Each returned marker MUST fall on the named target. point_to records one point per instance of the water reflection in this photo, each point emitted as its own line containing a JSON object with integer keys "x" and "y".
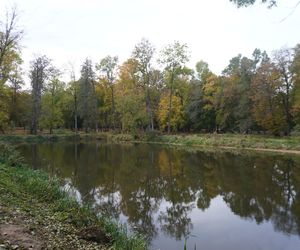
{"x": 157, "y": 189}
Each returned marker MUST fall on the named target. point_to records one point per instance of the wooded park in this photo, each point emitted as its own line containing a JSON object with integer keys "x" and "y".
{"x": 260, "y": 94}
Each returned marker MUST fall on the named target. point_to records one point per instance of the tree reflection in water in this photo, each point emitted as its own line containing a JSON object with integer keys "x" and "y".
{"x": 157, "y": 188}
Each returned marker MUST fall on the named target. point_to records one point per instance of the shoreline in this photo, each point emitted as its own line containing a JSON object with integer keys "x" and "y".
{"x": 289, "y": 145}
{"x": 281, "y": 151}
{"x": 261, "y": 143}
{"x": 36, "y": 213}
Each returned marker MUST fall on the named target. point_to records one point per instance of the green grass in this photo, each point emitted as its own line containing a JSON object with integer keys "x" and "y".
{"x": 204, "y": 140}
{"x": 31, "y": 190}
{"x": 214, "y": 140}
{"x": 10, "y": 138}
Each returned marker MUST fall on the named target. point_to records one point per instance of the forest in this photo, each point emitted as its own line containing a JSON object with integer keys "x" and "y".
{"x": 154, "y": 89}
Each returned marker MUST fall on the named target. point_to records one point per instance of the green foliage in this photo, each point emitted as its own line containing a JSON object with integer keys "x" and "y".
{"x": 52, "y": 105}
{"x": 39, "y": 73}
{"x": 4, "y": 108}
{"x": 87, "y": 101}
{"x": 108, "y": 75}
{"x": 10, "y": 37}
{"x": 173, "y": 58}
{"x": 202, "y": 99}
{"x": 267, "y": 109}
{"x": 137, "y": 97}
{"x": 143, "y": 54}
{"x": 10, "y": 61}
{"x": 236, "y": 101}
{"x": 130, "y": 98}
{"x": 296, "y": 90}
{"x": 257, "y": 142}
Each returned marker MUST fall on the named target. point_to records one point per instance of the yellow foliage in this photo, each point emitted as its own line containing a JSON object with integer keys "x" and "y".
{"x": 267, "y": 109}
{"x": 177, "y": 113}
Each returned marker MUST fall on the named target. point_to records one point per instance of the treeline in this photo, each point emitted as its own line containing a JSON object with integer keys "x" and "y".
{"x": 257, "y": 94}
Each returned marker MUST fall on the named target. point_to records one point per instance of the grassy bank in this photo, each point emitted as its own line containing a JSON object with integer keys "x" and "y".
{"x": 257, "y": 142}
{"x": 38, "y": 138}
{"x": 35, "y": 211}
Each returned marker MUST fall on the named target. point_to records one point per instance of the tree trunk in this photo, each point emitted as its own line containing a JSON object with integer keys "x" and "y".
{"x": 150, "y": 125}
{"x": 33, "y": 129}
{"x": 170, "y": 109}
{"x": 75, "y": 111}
{"x": 170, "y": 102}
{"x": 113, "y": 106}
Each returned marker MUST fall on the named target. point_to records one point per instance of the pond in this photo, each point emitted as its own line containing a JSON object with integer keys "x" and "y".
{"x": 214, "y": 200}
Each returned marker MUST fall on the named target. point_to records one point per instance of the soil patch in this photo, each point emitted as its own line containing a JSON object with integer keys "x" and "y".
{"x": 18, "y": 237}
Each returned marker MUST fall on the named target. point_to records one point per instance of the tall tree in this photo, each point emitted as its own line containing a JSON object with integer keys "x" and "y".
{"x": 51, "y": 112}
{"x": 267, "y": 110}
{"x": 10, "y": 37}
{"x": 173, "y": 58}
{"x": 39, "y": 73}
{"x": 108, "y": 68}
{"x": 237, "y": 103}
{"x": 200, "y": 109}
{"x": 296, "y": 90}
{"x": 87, "y": 96}
{"x": 143, "y": 54}
{"x": 129, "y": 98}
{"x": 283, "y": 59}
{"x": 73, "y": 88}
{"x": 16, "y": 82}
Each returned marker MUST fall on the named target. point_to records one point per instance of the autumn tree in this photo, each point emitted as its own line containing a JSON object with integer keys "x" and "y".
{"x": 173, "y": 58}
{"x": 39, "y": 73}
{"x": 143, "y": 54}
{"x": 267, "y": 109}
{"x": 130, "y": 98}
{"x": 10, "y": 38}
{"x": 296, "y": 90}
{"x": 283, "y": 59}
{"x": 177, "y": 119}
{"x": 108, "y": 68}
{"x": 236, "y": 104}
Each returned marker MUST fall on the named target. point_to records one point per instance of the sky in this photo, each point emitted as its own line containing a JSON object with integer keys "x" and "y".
{"x": 68, "y": 31}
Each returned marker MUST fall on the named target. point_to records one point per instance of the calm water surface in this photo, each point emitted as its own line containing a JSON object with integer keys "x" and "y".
{"x": 215, "y": 200}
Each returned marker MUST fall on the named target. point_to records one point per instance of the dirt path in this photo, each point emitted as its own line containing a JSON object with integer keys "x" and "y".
{"x": 24, "y": 230}
{"x": 15, "y": 234}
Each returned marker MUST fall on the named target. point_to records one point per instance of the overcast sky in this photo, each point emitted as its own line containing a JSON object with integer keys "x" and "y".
{"x": 214, "y": 30}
